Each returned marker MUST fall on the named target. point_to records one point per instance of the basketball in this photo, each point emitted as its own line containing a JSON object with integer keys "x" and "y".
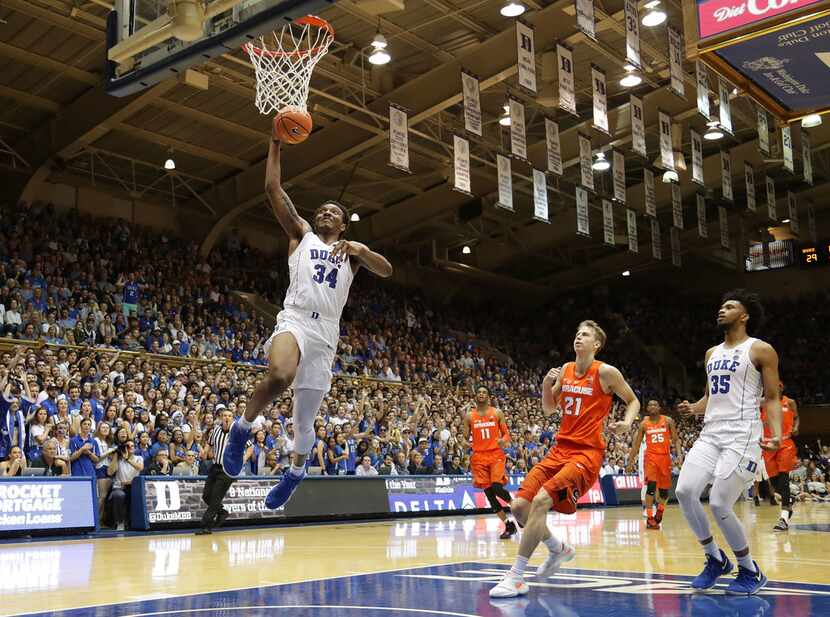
{"x": 292, "y": 126}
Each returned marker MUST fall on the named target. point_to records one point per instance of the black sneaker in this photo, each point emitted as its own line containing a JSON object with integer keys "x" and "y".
{"x": 203, "y": 532}
{"x": 222, "y": 517}
{"x": 509, "y": 530}
{"x": 781, "y": 525}
{"x": 757, "y": 500}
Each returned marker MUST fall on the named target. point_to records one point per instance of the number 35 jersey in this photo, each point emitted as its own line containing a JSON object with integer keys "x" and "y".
{"x": 319, "y": 284}
{"x": 734, "y": 384}
{"x": 584, "y": 408}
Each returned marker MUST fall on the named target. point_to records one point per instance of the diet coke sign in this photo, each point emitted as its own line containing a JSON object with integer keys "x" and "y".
{"x": 719, "y": 16}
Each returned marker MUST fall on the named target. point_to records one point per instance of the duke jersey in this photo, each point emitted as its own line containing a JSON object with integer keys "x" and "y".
{"x": 318, "y": 284}
{"x": 735, "y": 385}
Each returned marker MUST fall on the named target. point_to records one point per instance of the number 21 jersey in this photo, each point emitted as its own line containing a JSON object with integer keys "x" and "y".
{"x": 584, "y": 408}
{"x": 734, "y": 385}
{"x": 318, "y": 283}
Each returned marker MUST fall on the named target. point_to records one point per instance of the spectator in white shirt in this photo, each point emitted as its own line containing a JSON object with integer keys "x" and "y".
{"x": 365, "y": 468}
{"x": 125, "y": 466}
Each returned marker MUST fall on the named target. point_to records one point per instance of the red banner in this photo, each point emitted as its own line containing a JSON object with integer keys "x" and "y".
{"x": 719, "y": 16}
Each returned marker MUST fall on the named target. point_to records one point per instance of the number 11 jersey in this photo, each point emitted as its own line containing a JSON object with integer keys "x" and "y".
{"x": 584, "y": 407}
{"x": 318, "y": 284}
{"x": 734, "y": 384}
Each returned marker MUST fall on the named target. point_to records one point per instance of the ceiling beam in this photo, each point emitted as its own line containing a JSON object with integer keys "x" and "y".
{"x": 32, "y": 100}
{"x": 186, "y": 111}
{"x": 53, "y": 18}
{"x": 37, "y": 60}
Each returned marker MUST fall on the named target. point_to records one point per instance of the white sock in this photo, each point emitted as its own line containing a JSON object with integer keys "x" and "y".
{"x": 713, "y": 549}
{"x": 554, "y": 544}
{"x": 785, "y": 514}
{"x": 746, "y": 562}
{"x": 297, "y": 472}
{"x": 244, "y": 423}
{"x": 519, "y": 566}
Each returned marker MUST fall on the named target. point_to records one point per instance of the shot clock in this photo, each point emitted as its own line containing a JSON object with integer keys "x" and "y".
{"x": 814, "y": 255}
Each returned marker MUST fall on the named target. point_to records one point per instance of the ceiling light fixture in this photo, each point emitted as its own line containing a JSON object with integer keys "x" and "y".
{"x": 811, "y": 121}
{"x": 631, "y": 78}
{"x": 512, "y": 9}
{"x": 170, "y": 163}
{"x": 380, "y": 56}
{"x": 670, "y": 176}
{"x": 654, "y": 16}
{"x": 355, "y": 217}
{"x": 601, "y": 163}
{"x": 626, "y": 273}
{"x": 714, "y": 132}
{"x": 505, "y": 119}
{"x": 466, "y": 250}
{"x": 786, "y": 221}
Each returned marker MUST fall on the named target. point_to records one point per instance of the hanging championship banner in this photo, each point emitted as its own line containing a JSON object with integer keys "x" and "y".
{"x": 650, "y": 194}
{"x": 583, "y": 224}
{"x": 632, "y": 33}
{"x": 787, "y": 146}
{"x": 600, "y": 100}
{"x": 702, "y": 229}
{"x": 749, "y": 175}
{"x": 567, "y": 93}
{"x": 656, "y": 242}
{"x": 763, "y": 131}
{"x": 631, "y": 223}
{"x": 526, "y": 56}
{"x": 666, "y": 155}
{"x": 638, "y": 126}
{"x": 726, "y": 174}
{"x": 586, "y": 172}
{"x": 697, "y": 158}
{"x": 792, "y": 207}
{"x": 505, "y": 182}
{"x": 723, "y": 219}
{"x": 807, "y": 157}
{"x": 398, "y": 138}
{"x": 772, "y": 210}
{"x": 608, "y": 222}
{"x": 585, "y": 18}
{"x": 811, "y": 223}
{"x": 554, "y": 147}
{"x": 676, "y": 84}
{"x": 676, "y": 259}
{"x": 518, "y": 138}
{"x": 676, "y": 206}
{"x": 619, "y": 176}
{"x": 724, "y": 107}
{"x": 461, "y": 164}
{"x": 540, "y": 196}
{"x": 472, "y": 103}
{"x": 702, "y": 77}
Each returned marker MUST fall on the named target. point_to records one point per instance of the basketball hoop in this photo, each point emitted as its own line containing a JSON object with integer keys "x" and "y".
{"x": 283, "y": 63}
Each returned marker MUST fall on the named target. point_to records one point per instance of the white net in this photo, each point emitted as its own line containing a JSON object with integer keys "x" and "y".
{"x": 283, "y": 63}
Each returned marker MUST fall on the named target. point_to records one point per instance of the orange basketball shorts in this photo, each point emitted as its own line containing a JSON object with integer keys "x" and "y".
{"x": 782, "y": 460}
{"x": 565, "y": 474}
{"x": 658, "y": 469}
{"x": 488, "y": 468}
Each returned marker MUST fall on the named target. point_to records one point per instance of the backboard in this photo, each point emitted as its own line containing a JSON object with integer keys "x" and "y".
{"x": 151, "y": 40}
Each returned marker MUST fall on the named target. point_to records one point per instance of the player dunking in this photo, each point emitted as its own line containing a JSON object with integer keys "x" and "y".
{"x": 781, "y": 462}
{"x": 490, "y": 435}
{"x": 301, "y": 350}
{"x": 728, "y": 449}
{"x": 584, "y": 390}
{"x": 660, "y": 432}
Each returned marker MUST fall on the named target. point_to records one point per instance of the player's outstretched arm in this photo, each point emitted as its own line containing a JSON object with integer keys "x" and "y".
{"x": 766, "y": 358}
{"x": 281, "y": 205}
{"x": 675, "y": 438}
{"x": 504, "y": 432}
{"x": 614, "y": 382}
{"x": 374, "y": 262}
{"x": 698, "y": 408}
{"x": 635, "y": 449}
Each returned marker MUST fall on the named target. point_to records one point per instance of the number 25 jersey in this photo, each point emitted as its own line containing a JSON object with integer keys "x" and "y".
{"x": 318, "y": 283}
{"x": 584, "y": 408}
{"x": 734, "y": 385}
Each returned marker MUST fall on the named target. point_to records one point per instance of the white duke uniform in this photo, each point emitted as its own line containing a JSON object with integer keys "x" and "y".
{"x": 317, "y": 292}
{"x": 732, "y": 428}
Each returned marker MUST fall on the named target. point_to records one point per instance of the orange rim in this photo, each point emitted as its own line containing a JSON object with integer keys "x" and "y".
{"x": 308, "y": 20}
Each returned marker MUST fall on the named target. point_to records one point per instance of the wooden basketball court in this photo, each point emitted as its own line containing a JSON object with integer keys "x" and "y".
{"x": 435, "y": 566}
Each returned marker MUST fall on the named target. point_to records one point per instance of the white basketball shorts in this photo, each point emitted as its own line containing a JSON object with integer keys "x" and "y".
{"x": 761, "y": 474}
{"x": 317, "y": 340}
{"x": 728, "y": 446}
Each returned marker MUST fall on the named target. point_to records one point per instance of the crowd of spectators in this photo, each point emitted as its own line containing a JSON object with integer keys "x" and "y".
{"x": 96, "y": 305}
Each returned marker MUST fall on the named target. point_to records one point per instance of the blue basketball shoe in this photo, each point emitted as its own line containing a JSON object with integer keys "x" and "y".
{"x": 281, "y": 493}
{"x": 235, "y": 449}
{"x": 747, "y": 582}
{"x": 713, "y": 570}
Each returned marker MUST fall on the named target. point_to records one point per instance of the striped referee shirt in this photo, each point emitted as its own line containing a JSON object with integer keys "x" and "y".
{"x": 217, "y": 440}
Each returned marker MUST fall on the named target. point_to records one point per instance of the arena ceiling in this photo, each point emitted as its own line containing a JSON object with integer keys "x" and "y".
{"x": 57, "y": 124}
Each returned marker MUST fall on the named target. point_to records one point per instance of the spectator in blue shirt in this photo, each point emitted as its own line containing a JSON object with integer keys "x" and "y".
{"x": 131, "y": 291}
{"x": 84, "y": 452}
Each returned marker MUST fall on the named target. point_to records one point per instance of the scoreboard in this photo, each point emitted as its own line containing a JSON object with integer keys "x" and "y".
{"x": 780, "y": 254}
{"x": 814, "y": 255}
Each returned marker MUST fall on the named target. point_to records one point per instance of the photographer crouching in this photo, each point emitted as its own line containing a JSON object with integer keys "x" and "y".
{"x": 124, "y": 466}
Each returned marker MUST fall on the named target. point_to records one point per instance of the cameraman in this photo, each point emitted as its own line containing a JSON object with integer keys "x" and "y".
{"x": 124, "y": 467}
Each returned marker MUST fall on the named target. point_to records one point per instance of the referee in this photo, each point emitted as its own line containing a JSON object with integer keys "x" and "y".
{"x": 218, "y": 482}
